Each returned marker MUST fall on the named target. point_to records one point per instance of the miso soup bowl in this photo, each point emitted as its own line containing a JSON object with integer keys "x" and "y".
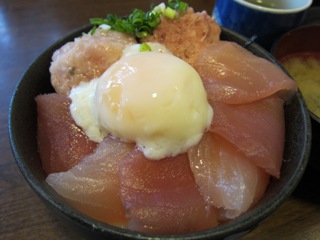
{"x": 22, "y": 132}
{"x": 303, "y": 39}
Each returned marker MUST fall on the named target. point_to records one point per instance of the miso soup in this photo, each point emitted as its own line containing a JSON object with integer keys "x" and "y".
{"x": 304, "y": 67}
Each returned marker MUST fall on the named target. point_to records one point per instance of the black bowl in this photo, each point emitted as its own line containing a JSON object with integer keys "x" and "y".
{"x": 22, "y": 132}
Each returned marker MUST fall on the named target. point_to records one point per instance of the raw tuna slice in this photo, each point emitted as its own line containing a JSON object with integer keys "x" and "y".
{"x": 257, "y": 129}
{"x": 226, "y": 178}
{"x": 162, "y": 197}
{"x": 233, "y": 75}
{"x": 61, "y": 142}
{"x": 92, "y": 186}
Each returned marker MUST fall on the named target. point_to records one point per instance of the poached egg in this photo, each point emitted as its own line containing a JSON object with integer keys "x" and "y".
{"x": 151, "y": 98}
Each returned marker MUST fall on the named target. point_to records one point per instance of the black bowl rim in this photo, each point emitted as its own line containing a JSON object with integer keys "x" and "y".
{"x": 255, "y": 216}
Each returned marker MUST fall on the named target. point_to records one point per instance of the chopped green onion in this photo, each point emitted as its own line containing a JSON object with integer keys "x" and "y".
{"x": 93, "y": 30}
{"x": 183, "y": 7}
{"x": 144, "y": 47}
{"x": 169, "y": 13}
{"x": 178, "y": 5}
{"x": 159, "y": 8}
{"x": 139, "y": 23}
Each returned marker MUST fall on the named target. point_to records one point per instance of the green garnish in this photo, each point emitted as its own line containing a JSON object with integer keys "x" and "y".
{"x": 169, "y": 13}
{"x": 144, "y": 47}
{"x": 180, "y": 6}
{"x": 139, "y": 23}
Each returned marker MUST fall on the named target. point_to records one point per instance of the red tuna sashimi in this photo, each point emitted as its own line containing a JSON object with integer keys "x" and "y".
{"x": 226, "y": 178}
{"x": 61, "y": 142}
{"x": 257, "y": 129}
{"x": 233, "y": 75}
{"x": 162, "y": 197}
{"x": 92, "y": 186}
